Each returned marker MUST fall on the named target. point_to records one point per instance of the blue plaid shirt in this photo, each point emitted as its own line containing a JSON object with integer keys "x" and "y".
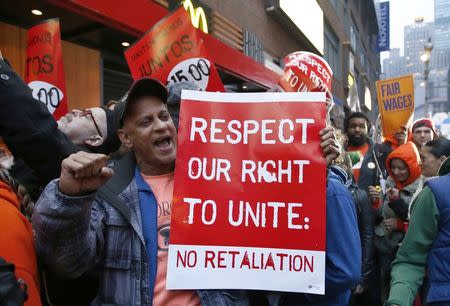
{"x": 75, "y": 235}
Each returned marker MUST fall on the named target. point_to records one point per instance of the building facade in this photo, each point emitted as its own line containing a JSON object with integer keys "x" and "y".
{"x": 436, "y": 89}
{"x": 247, "y": 40}
{"x": 348, "y": 35}
{"x": 395, "y": 65}
{"x": 442, "y": 24}
{"x": 415, "y": 37}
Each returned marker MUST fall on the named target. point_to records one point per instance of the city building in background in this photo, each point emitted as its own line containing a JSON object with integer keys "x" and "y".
{"x": 442, "y": 25}
{"x": 415, "y": 37}
{"x": 247, "y": 40}
{"x": 427, "y": 58}
{"x": 395, "y": 65}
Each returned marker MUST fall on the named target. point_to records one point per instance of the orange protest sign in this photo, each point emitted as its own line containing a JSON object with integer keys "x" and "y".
{"x": 172, "y": 51}
{"x": 44, "y": 66}
{"x": 396, "y": 103}
{"x": 306, "y": 71}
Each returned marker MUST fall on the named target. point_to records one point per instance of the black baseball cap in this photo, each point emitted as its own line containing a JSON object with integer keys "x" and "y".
{"x": 140, "y": 88}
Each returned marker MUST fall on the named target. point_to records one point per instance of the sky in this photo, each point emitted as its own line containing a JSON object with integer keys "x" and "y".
{"x": 402, "y": 13}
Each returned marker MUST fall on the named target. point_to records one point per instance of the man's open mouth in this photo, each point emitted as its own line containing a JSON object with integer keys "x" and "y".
{"x": 163, "y": 142}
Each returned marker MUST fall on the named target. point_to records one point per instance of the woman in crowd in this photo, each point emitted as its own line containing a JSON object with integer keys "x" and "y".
{"x": 404, "y": 178}
{"x": 390, "y": 143}
{"x": 425, "y": 247}
{"x": 432, "y": 155}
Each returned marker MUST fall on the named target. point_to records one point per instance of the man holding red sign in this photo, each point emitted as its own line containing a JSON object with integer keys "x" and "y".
{"x": 263, "y": 194}
{"x": 113, "y": 225}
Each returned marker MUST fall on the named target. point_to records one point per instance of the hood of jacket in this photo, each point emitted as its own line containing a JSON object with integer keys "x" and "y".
{"x": 392, "y": 141}
{"x": 410, "y": 156}
{"x": 340, "y": 174}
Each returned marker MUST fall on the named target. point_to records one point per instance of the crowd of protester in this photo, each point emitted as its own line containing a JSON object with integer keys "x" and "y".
{"x": 71, "y": 213}
{"x": 397, "y": 174}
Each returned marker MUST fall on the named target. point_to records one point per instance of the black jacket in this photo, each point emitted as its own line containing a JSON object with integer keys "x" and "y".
{"x": 31, "y": 133}
{"x": 366, "y": 230}
{"x": 28, "y": 128}
{"x": 369, "y": 174}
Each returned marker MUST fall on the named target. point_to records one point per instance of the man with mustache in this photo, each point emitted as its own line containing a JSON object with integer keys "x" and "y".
{"x": 97, "y": 218}
{"x": 362, "y": 151}
{"x": 366, "y": 174}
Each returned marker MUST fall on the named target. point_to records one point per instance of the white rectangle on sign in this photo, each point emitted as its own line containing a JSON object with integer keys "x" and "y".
{"x": 221, "y": 267}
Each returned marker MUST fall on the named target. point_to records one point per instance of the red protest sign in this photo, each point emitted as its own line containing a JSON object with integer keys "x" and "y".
{"x": 172, "y": 51}
{"x": 44, "y": 66}
{"x": 249, "y": 194}
{"x": 306, "y": 71}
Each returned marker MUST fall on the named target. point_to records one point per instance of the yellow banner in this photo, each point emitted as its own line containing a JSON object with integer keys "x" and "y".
{"x": 396, "y": 103}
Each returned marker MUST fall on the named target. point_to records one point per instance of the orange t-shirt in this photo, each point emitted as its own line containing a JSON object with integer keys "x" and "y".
{"x": 162, "y": 187}
{"x": 357, "y": 156}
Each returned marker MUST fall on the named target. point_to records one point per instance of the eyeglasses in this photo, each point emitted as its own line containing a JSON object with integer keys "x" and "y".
{"x": 88, "y": 112}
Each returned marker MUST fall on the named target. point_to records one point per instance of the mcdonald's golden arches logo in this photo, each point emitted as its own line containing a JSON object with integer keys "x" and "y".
{"x": 198, "y": 16}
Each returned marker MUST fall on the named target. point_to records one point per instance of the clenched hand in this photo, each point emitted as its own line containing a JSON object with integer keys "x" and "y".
{"x": 82, "y": 173}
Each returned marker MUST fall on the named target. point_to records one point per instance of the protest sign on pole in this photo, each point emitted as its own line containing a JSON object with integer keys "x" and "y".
{"x": 172, "y": 51}
{"x": 396, "y": 103}
{"x": 249, "y": 200}
{"x": 306, "y": 71}
{"x": 44, "y": 66}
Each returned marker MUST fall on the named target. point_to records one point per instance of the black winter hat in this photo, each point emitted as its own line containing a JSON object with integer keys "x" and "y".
{"x": 112, "y": 141}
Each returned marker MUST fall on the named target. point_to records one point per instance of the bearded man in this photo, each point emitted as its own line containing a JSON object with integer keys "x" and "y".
{"x": 362, "y": 151}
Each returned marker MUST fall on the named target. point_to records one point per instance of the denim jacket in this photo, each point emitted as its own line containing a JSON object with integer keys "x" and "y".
{"x": 75, "y": 235}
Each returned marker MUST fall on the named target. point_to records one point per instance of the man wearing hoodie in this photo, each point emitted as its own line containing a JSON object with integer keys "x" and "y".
{"x": 426, "y": 245}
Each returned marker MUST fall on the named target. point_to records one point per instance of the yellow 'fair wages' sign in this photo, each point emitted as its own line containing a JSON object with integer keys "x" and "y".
{"x": 396, "y": 103}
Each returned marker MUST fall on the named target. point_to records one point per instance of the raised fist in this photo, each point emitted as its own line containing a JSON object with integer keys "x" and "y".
{"x": 83, "y": 173}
